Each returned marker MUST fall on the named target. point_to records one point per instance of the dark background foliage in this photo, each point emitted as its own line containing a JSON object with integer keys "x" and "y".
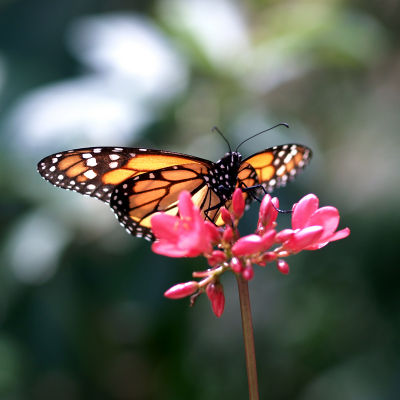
{"x": 81, "y": 308}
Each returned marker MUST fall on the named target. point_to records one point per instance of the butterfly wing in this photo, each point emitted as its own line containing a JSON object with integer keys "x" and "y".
{"x": 96, "y": 171}
{"x": 137, "y": 199}
{"x": 274, "y": 167}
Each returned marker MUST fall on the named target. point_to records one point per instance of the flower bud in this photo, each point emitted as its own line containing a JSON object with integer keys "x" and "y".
{"x": 283, "y": 266}
{"x": 226, "y": 216}
{"x": 228, "y": 234}
{"x": 248, "y": 271}
{"x": 236, "y": 265}
{"x": 248, "y": 245}
{"x": 213, "y": 231}
{"x": 269, "y": 256}
{"x": 284, "y": 235}
{"x": 215, "y": 293}
{"x": 267, "y": 213}
{"x": 216, "y": 257}
{"x": 238, "y": 203}
{"x": 182, "y": 290}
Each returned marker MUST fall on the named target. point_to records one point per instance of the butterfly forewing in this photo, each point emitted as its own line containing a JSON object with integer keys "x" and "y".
{"x": 96, "y": 171}
{"x": 279, "y": 164}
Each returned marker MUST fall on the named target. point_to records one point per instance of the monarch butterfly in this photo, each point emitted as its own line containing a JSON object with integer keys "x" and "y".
{"x": 140, "y": 182}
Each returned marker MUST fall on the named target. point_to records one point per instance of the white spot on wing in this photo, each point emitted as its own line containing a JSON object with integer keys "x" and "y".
{"x": 90, "y": 174}
{"x": 281, "y": 170}
{"x": 287, "y": 158}
{"x": 91, "y": 162}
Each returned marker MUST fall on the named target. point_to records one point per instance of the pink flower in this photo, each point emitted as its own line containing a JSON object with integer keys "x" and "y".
{"x": 183, "y": 236}
{"x": 312, "y": 227}
{"x": 189, "y": 235}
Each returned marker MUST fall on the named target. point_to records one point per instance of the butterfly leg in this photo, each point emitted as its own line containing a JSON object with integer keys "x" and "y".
{"x": 249, "y": 189}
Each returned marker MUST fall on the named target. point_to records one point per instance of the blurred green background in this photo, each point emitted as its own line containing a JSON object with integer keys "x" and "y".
{"x": 82, "y": 312}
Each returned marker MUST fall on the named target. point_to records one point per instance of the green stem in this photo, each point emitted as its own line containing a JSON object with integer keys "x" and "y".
{"x": 248, "y": 337}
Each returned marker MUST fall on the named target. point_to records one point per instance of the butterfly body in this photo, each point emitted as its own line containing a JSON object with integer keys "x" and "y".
{"x": 222, "y": 177}
{"x": 141, "y": 182}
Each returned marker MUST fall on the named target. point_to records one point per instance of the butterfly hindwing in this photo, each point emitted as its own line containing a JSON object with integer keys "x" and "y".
{"x": 137, "y": 199}
{"x": 96, "y": 171}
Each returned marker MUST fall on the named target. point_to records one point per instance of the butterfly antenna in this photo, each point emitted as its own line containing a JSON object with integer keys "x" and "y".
{"x": 259, "y": 133}
{"x": 216, "y": 129}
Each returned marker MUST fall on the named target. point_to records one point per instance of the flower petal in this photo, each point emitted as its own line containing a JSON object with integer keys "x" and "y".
{"x": 340, "y": 234}
{"x": 327, "y": 217}
{"x": 164, "y": 226}
{"x": 165, "y": 248}
{"x": 303, "y": 238}
{"x": 185, "y": 205}
{"x": 303, "y": 210}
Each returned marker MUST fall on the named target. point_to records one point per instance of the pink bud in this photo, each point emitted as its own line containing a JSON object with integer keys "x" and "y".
{"x": 247, "y": 245}
{"x": 284, "y": 235}
{"x": 214, "y": 233}
{"x": 182, "y": 290}
{"x": 216, "y": 257}
{"x": 268, "y": 239}
{"x": 248, "y": 271}
{"x": 228, "y": 234}
{"x": 215, "y": 293}
{"x": 283, "y": 266}
{"x": 236, "y": 265}
{"x": 268, "y": 213}
{"x": 269, "y": 256}
{"x": 238, "y": 203}
{"x": 226, "y": 216}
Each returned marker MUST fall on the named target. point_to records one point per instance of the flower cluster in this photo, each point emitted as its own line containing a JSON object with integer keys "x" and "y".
{"x": 189, "y": 235}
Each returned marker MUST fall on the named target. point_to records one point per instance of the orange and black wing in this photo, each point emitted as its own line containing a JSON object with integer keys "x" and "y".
{"x": 137, "y": 199}
{"x": 274, "y": 167}
{"x": 96, "y": 171}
